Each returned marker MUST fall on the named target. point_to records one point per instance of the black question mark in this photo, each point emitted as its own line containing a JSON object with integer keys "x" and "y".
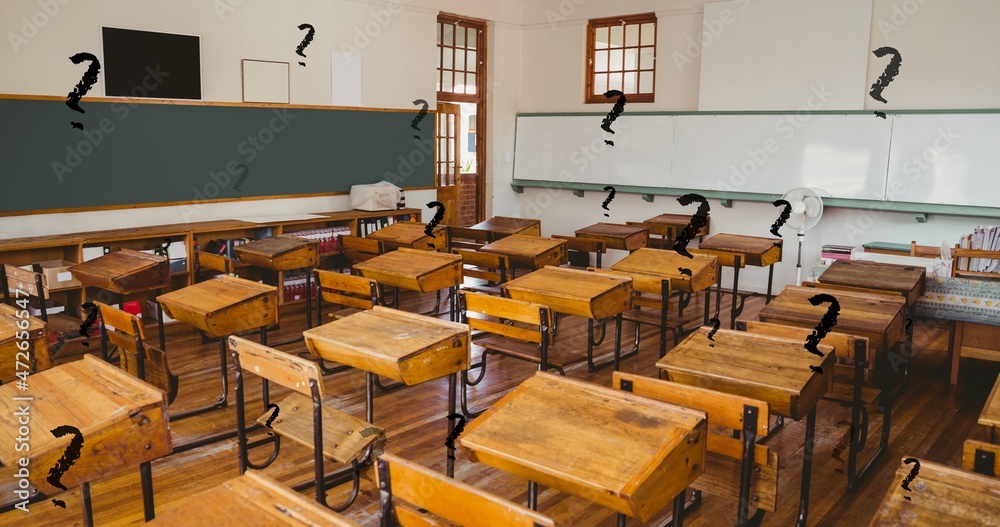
{"x": 715, "y": 327}
{"x": 305, "y": 41}
{"x": 70, "y": 455}
{"x": 913, "y": 473}
{"x": 273, "y": 416}
{"x": 59, "y": 503}
{"x": 909, "y": 322}
{"x": 610, "y": 197}
{"x": 162, "y": 249}
{"x": 450, "y": 441}
{"x": 699, "y": 220}
{"x": 85, "y": 84}
{"x": 891, "y": 70}
{"x": 617, "y": 110}
{"x": 420, "y": 116}
{"x": 91, "y": 318}
{"x": 242, "y": 178}
{"x": 783, "y": 217}
{"x": 438, "y": 216}
{"x": 825, "y": 325}
{"x": 684, "y": 271}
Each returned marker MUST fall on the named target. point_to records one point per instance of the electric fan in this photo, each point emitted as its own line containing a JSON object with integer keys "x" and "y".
{"x": 807, "y": 209}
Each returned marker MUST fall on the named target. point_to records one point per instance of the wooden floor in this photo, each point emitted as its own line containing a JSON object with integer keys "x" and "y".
{"x": 930, "y": 421}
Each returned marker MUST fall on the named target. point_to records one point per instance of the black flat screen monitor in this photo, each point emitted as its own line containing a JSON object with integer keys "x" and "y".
{"x": 148, "y": 64}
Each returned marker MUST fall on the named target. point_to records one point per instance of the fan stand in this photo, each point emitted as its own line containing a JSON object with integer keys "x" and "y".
{"x": 798, "y": 263}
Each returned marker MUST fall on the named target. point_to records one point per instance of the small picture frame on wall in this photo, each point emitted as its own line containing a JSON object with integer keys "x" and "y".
{"x": 265, "y": 81}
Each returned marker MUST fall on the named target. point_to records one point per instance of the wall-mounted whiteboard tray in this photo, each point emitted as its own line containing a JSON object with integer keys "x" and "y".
{"x": 843, "y": 154}
{"x": 546, "y": 146}
{"x": 945, "y": 158}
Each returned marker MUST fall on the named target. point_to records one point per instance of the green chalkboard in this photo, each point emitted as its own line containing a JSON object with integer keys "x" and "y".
{"x": 136, "y": 154}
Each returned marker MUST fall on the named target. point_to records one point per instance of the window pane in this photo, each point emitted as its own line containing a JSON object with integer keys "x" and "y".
{"x": 632, "y": 35}
{"x": 470, "y": 61}
{"x": 601, "y": 38}
{"x": 600, "y": 84}
{"x": 438, "y": 58}
{"x": 630, "y": 82}
{"x": 448, "y": 39}
{"x": 648, "y": 34}
{"x": 616, "y": 60}
{"x": 459, "y": 82}
{"x": 615, "y": 81}
{"x": 646, "y": 58}
{"x": 616, "y": 36}
{"x": 446, "y": 83}
{"x": 460, "y": 59}
{"x": 470, "y": 84}
{"x": 631, "y": 58}
{"x": 459, "y": 37}
{"x": 439, "y": 33}
{"x": 473, "y": 36}
{"x": 601, "y": 60}
{"x": 446, "y": 64}
{"x": 646, "y": 82}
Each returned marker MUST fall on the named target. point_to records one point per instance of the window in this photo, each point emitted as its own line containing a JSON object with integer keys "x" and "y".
{"x": 458, "y": 61}
{"x": 621, "y": 55}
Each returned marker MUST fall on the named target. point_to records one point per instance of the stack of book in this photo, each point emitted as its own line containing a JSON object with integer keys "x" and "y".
{"x": 295, "y": 287}
{"x": 836, "y": 252}
{"x": 982, "y": 238}
{"x": 224, "y": 246}
{"x": 328, "y": 237}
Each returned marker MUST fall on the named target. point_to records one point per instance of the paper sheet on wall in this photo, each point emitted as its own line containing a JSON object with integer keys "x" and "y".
{"x": 346, "y": 82}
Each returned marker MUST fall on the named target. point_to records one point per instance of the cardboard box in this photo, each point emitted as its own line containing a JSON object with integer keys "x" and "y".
{"x": 51, "y": 308}
{"x": 56, "y": 275}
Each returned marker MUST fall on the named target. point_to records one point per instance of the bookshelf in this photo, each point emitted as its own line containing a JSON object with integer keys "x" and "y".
{"x": 183, "y": 237}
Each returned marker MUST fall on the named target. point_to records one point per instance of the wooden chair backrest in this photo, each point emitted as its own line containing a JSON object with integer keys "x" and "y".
{"x": 924, "y": 251}
{"x": 18, "y": 278}
{"x": 125, "y": 324}
{"x": 291, "y": 371}
{"x": 843, "y": 344}
{"x": 584, "y": 245}
{"x": 495, "y": 307}
{"x": 465, "y": 238}
{"x": 969, "y": 455}
{"x": 486, "y": 266}
{"x": 414, "y": 490}
{"x": 215, "y": 262}
{"x": 361, "y": 245}
{"x": 641, "y": 283}
{"x": 347, "y": 290}
{"x": 156, "y": 369}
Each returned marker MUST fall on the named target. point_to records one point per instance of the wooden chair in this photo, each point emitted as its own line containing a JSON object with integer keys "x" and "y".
{"x": 67, "y": 328}
{"x": 212, "y": 262}
{"x": 981, "y": 458}
{"x": 734, "y": 261}
{"x": 143, "y": 361}
{"x": 650, "y": 305}
{"x": 305, "y": 417}
{"x": 358, "y": 249}
{"x": 854, "y": 354}
{"x": 465, "y": 238}
{"x": 968, "y": 339}
{"x": 580, "y": 249}
{"x": 741, "y": 470}
{"x": 494, "y": 268}
{"x": 412, "y": 495}
{"x": 666, "y": 234}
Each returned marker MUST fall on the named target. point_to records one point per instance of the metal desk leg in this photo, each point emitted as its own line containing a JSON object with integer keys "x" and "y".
{"x": 264, "y": 387}
{"x": 679, "y": 509}
{"x": 533, "y": 495}
{"x": 618, "y": 341}
{"x": 146, "y": 475}
{"x": 735, "y": 310}
{"x": 770, "y": 280}
{"x": 620, "y": 520}
{"x": 370, "y": 397}
{"x": 88, "y": 509}
{"x": 309, "y": 296}
{"x": 224, "y": 398}
{"x": 806, "y": 468}
{"x": 452, "y": 391}
{"x": 159, "y": 324}
{"x": 859, "y": 427}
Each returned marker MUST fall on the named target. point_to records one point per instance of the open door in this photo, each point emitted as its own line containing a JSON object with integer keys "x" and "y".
{"x": 447, "y": 165}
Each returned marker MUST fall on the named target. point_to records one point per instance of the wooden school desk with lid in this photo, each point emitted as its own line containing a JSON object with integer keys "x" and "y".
{"x": 220, "y": 307}
{"x": 126, "y": 272}
{"x": 555, "y": 431}
{"x": 614, "y": 236}
{"x": 679, "y": 222}
{"x": 529, "y": 252}
{"x": 744, "y": 250}
{"x": 774, "y": 370}
{"x": 940, "y": 495}
{"x": 17, "y": 326}
{"x": 122, "y": 421}
{"x": 420, "y": 271}
{"x": 402, "y": 346}
{"x": 411, "y": 235}
{"x": 668, "y": 264}
{"x": 500, "y": 226}
{"x": 574, "y": 292}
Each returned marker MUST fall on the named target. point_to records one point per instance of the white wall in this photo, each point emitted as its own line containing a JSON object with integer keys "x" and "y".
{"x": 395, "y": 38}
{"x": 948, "y": 62}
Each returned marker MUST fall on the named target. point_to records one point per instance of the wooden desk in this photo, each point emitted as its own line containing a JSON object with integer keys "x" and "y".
{"x": 420, "y": 271}
{"x": 877, "y": 317}
{"x": 990, "y": 417}
{"x": 411, "y": 235}
{"x": 679, "y": 222}
{"x": 284, "y": 253}
{"x": 123, "y": 422}
{"x": 628, "y": 453}
{"x": 581, "y": 293}
{"x": 251, "y": 500}
{"x": 941, "y": 495}
{"x": 616, "y": 236}
{"x": 667, "y": 264}
{"x": 405, "y": 347}
{"x": 220, "y": 307}
{"x": 36, "y": 351}
{"x": 745, "y": 250}
{"x": 507, "y": 226}
{"x": 766, "y": 368}
{"x": 126, "y": 272}
{"x": 529, "y": 252}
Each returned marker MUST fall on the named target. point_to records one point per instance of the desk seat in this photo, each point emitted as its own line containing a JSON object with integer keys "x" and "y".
{"x": 345, "y": 437}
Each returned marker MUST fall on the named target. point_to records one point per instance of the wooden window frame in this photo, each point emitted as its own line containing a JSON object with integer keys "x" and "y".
{"x": 451, "y": 96}
{"x": 590, "y": 52}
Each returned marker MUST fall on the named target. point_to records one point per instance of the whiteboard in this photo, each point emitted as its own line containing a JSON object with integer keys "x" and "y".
{"x": 572, "y": 148}
{"x": 945, "y": 158}
{"x": 845, "y": 155}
